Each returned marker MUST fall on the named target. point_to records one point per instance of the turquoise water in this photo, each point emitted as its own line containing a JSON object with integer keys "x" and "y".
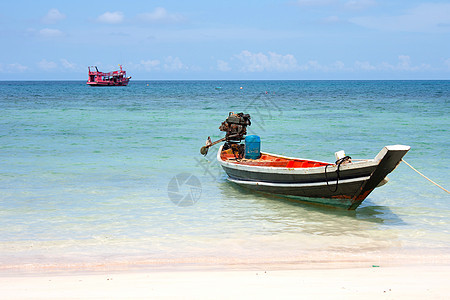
{"x": 87, "y": 175}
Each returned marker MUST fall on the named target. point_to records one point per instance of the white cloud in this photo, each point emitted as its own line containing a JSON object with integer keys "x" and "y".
{"x": 53, "y": 16}
{"x": 111, "y": 17}
{"x": 404, "y": 64}
{"x": 47, "y": 65}
{"x": 50, "y": 33}
{"x": 364, "y": 66}
{"x": 13, "y": 68}
{"x": 223, "y": 66}
{"x": 273, "y": 62}
{"x": 160, "y": 15}
{"x": 171, "y": 64}
{"x": 63, "y": 64}
{"x": 427, "y": 17}
{"x": 338, "y": 66}
{"x": 151, "y": 65}
{"x": 19, "y": 67}
{"x": 259, "y": 62}
{"x": 314, "y": 65}
{"x": 174, "y": 64}
{"x": 67, "y": 65}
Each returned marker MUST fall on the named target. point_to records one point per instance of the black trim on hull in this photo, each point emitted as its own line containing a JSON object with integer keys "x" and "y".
{"x": 298, "y": 178}
{"x": 345, "y": 190}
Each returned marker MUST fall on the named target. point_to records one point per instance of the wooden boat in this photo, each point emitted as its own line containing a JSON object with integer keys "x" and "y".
{"x": 345, "y": 183}
{"x": 114, "y": 78}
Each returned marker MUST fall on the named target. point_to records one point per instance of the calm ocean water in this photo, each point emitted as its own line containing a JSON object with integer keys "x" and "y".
{"x": 88, "y": 176}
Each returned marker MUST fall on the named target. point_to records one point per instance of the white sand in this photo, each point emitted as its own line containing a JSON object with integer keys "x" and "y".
{"x": 414, "y": 282}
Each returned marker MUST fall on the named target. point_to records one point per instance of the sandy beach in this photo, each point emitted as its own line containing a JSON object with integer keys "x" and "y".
{"x": 372, "y": 282}
{"x": 113, "y": 114}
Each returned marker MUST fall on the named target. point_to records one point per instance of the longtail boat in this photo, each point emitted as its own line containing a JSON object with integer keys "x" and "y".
{"x": 114, "y": 78}
{"x": 344, "y": 183}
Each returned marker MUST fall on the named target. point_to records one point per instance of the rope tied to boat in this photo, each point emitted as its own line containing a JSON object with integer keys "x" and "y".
{"x": 425, "y": 176}
{"x": 338, "y": 164}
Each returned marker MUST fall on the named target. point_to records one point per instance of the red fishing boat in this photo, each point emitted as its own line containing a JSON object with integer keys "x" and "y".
{"x": 114, "y": 78}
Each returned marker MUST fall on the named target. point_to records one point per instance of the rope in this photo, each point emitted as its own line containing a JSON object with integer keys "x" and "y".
{"x": 338, "y": 163}
{"x": 425, "y": 176}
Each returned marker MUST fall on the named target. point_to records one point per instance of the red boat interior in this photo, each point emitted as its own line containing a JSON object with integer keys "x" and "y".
{"x": 267, "y": 160}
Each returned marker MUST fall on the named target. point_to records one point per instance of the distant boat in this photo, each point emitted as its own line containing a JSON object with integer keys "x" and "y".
{"x": 114, "y": 78}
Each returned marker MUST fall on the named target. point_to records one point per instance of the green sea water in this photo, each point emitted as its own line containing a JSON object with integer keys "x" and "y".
{"x": 97, "y": 176}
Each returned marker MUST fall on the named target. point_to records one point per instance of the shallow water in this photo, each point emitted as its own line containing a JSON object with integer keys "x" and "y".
{"x": 85, "y": 172}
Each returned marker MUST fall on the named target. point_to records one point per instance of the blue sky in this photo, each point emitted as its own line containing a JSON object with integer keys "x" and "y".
{"x": 292, "y": 39}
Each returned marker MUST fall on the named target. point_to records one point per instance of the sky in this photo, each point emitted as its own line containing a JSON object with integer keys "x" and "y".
{"x": 226, "y": 40}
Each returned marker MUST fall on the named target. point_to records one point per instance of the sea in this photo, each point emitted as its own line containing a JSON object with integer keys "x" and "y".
{"x": 112, "y": 178}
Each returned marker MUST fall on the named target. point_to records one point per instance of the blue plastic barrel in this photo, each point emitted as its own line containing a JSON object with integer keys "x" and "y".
{"x": 252, "y": 147}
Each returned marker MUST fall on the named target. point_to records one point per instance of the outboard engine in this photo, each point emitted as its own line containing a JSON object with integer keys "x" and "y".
{"x": 235, "y": 128}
